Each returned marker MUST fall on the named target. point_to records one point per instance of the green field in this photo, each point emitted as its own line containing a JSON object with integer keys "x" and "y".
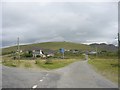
{"x": 55, "y": 63}
{"x": 107, "y": 67}
{"x": 39, "y": 64}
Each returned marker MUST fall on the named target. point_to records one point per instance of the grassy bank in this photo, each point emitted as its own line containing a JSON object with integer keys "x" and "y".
{"x": 49, "y": 63}
{"x": 53, "y": 64}
{"x": 38, "y": 63}
{"x": 107, "y": 67}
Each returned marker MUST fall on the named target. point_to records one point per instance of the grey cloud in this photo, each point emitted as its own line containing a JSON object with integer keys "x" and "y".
{"x": 64, "y": 21}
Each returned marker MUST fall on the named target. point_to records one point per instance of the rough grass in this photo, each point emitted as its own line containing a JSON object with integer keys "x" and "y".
{"x": 38, "y": 63}
{"x": 27, "y": 64}
{"x": 107, "y": 67}
{"x": 11, "y": 63}
{"x": 53, "y": 64}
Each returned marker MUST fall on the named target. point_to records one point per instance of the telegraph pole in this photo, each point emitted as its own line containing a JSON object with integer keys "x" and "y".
{"x": 118, "y": 44}
{"x": 18, "y": 48}
{"x": 118, "y": 40}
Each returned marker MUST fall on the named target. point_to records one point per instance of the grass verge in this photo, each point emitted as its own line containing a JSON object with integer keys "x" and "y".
{"x": 27, "y": 65}
{"x": 54, "y": 64}
{"x": 106, "y": 67}
{"x": 38, "y": 63}
{"x": 11, "y": 63}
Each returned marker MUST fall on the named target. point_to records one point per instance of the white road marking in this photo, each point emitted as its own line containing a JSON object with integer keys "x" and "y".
{"x": 35, "y": 86}
{"x": 41, "y": 80}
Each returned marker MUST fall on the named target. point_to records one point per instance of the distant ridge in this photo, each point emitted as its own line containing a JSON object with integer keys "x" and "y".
{"x": 49, "y": 45}
{"x": 104, "y": 46}
{"x": 66, "y": 45}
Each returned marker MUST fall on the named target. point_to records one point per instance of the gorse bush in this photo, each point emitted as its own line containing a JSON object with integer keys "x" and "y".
{"x": 27, "y": 55}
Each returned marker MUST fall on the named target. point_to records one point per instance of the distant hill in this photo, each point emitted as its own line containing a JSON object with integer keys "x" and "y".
{"x": 66, "y": 45}
{"x": 106, "y": 47}
{"x": 49, "y": 45}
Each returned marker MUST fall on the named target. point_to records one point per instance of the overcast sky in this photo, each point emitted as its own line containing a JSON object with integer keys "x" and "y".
{"x": 81, "y": 22}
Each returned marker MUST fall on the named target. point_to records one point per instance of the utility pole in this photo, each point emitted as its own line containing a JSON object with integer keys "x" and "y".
{"x": 118, "y": 44}
{"x": 18, "y": 49}
{"x": 118, "y": 40}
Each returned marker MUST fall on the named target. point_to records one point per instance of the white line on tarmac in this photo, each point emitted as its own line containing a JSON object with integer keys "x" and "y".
{"x": 41, "y": 80}
{"x": 35, "y": 86}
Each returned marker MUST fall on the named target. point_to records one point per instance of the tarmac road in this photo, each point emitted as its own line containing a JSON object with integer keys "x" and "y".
{"x": 22, "y": 78}
{"x": 81, "y": 75}
{"x": 76, "y": 75}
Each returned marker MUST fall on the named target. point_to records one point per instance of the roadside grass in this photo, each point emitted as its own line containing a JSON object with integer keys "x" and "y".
{"x": 54, "y": 64}
{"x": 11, "y": 63}
{"x": 51, "y": 63}
{"x": 7, "y": 61}
{"x": 106, "y": 67}
{"x": 27, "y": 64}
{"x": 17, "y": 63}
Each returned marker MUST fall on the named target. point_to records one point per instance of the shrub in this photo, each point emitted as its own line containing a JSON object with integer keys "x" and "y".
{"x": 27, "y": 55}
{"x": 38, "y": 56}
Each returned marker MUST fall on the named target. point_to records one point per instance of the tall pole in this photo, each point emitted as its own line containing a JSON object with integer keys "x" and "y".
{"x": 18, "y": 48}
{"x": 118, "y": 40}
{"x": 118, "y": 45}
{"x": 18, "y": 44}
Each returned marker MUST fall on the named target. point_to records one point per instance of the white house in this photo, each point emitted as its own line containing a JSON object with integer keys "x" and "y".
{"x": 92, "y": 52}
{"x": 38, "y": 52}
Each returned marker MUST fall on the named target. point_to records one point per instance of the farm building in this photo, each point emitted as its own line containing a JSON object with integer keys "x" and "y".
{"x": 40, "y": 52}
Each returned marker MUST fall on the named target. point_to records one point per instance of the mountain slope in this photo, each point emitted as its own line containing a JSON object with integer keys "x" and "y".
{"x": 105, "y": 47}
{"x": 49, "y": 45}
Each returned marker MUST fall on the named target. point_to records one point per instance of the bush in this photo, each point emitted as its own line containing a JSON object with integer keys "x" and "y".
{"x": 38, "y": 56}
{"x": 27, "y": 55}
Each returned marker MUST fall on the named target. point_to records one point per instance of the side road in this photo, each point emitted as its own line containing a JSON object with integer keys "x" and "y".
{"x": 81, "y": 75}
